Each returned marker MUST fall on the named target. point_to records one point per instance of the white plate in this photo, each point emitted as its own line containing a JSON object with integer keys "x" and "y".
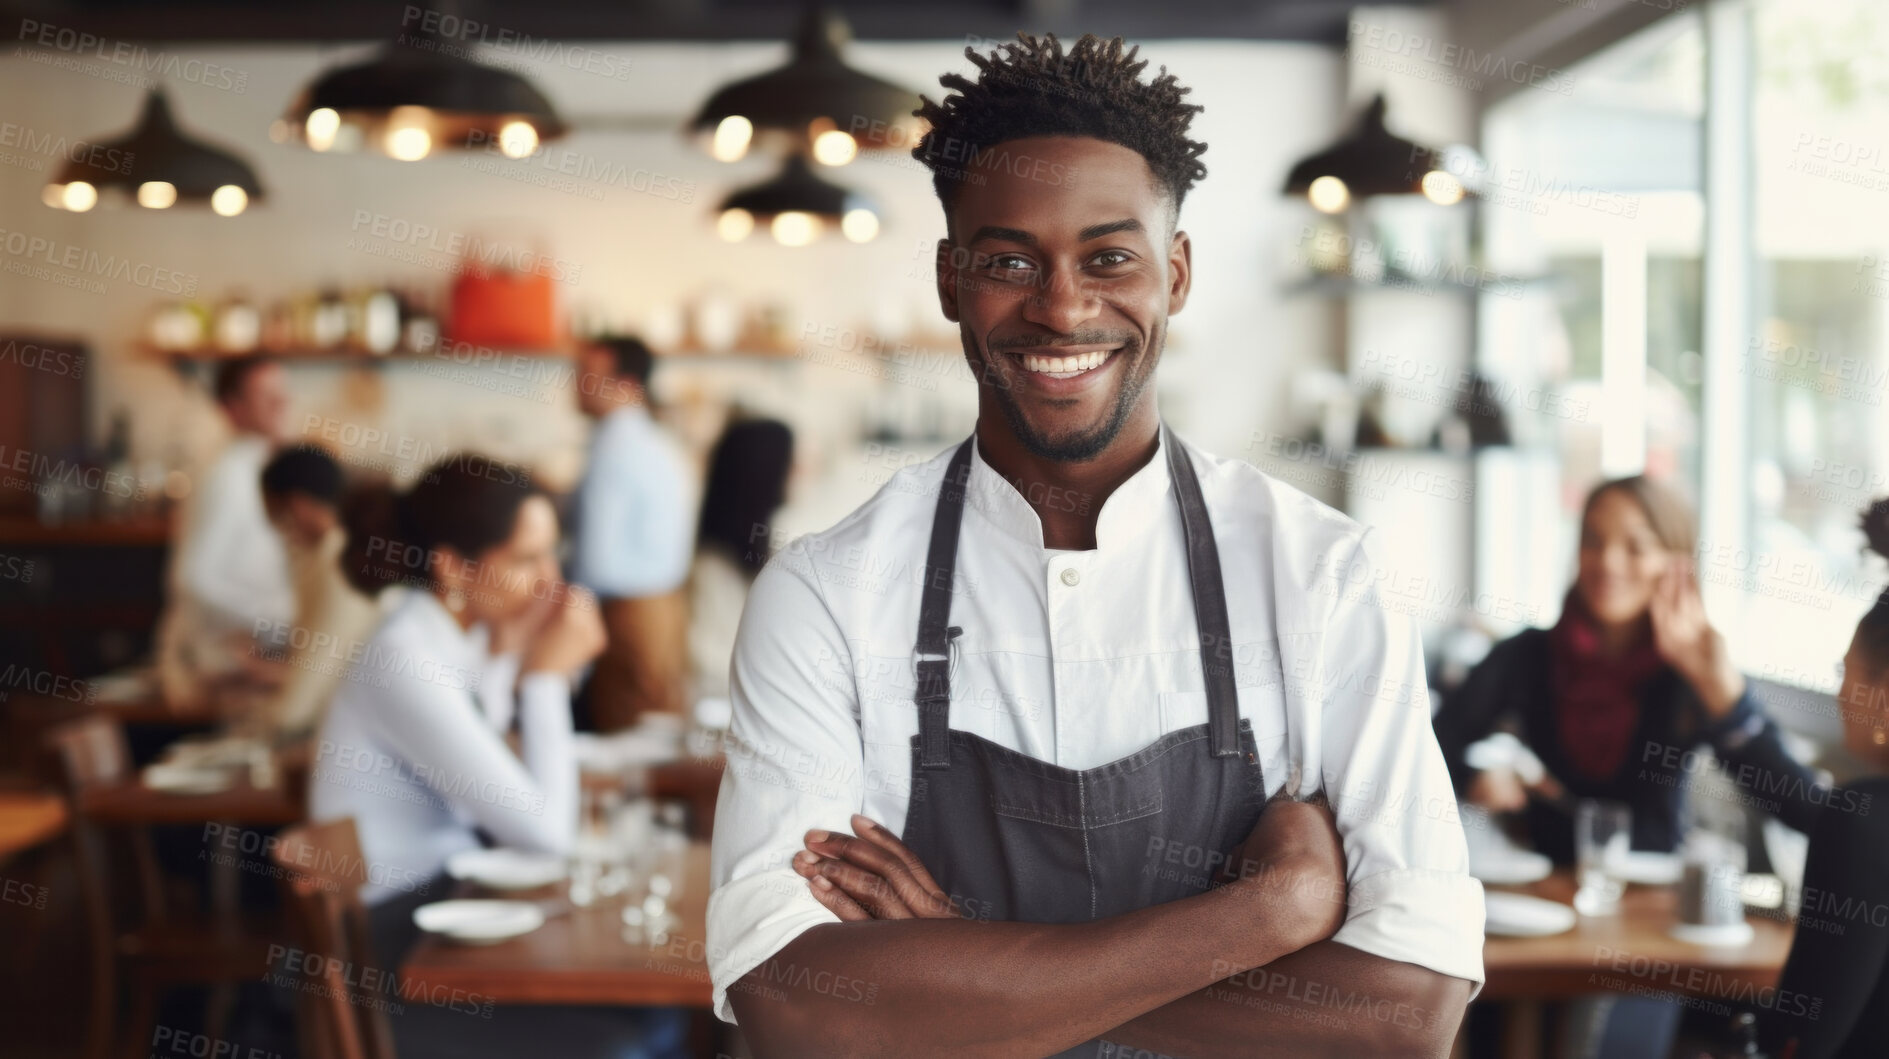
{"x": 479, "y": 922}
{"x": 505, "y": 869}
{"x": 1728, "y": 935}
{"x": 187, "y": 779}
{"x": 1509, "y": 867}
{"x": 1647, "y": 867}
{"x": 1521, "y": 916}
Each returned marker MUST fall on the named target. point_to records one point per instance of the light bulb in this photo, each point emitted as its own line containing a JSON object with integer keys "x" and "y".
{"x": 229, "y": 200}
{"x": 517, "y": 139}
{"x": 79, "y": 196}
{"x": 795, "y": 228}
{"x": 1442, "y": 188}
{"x": 320, "y": 128}
{"x": 1328, "y": 194}
{"x": 732, "y": 137}
{"x": 734, "y": 225}
{"x": 860, "y": 225}
{"x": 834, "y": 147}
{"x": 157, "y": 194}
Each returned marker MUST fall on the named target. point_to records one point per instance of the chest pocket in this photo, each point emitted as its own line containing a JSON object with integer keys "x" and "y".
{"x": 1264, "y": 706}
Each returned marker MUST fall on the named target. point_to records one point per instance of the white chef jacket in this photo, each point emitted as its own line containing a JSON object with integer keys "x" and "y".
{"x": 1079, "y": 658}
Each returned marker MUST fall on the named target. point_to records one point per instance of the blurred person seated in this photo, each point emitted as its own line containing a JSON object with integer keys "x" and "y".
{"x": 414, "y": 746}
{"x": 1834, "y": 991}
{"x": 229, "y": 572}
{"x": 747, "y": 482}
{"x": 633, "y": 525}
{"x": 1615, "y": 696}
{"x": 302, "y": 492}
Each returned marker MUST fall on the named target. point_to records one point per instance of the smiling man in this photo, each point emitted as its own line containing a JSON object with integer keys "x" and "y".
{"x": 1022, "y": 748}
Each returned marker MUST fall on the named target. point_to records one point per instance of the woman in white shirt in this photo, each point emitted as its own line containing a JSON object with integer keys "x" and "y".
{"x": 413, "y": 746}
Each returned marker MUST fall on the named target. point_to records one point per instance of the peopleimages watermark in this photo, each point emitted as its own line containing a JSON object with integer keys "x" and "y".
{"x": 53, "y": 360}
{"x": 362, "y": 984}
{"x": 124, "y": 62}
{"x": 260, "y": 854}
{"x": 21, "y": 677}
{"x": 559, "y": 168}
{"x": 36, "y": 257}
{"x": 453, "y": 34}
{"x": 25, "y": 894}
{"x": 38, "y": 146}
{"x": 337, "y": 762}
{"x": 1689, "y": 980}
{"x": 1334, "y": 252}
{"x": 1430, "y": 59}
{"x": 1841, "y": 375}
{"x": 36, "y": 473}
{"x": 167, "y": 1041}
{"x": 456, "y": 251}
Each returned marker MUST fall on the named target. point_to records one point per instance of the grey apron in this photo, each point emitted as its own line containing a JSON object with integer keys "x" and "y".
{"x": 1016, "y": 839}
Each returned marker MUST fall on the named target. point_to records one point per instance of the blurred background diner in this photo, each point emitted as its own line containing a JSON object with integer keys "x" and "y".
{"x": 398, "y": 399}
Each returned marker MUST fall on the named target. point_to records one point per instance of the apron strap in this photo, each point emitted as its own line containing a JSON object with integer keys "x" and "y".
{"x": 1210, "y": 601}
{"x": 931, "y": 659}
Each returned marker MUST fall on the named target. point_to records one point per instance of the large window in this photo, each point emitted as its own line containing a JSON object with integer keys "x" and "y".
{"x": 1709, "y": 225}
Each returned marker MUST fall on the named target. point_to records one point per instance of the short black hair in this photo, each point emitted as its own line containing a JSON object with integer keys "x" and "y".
{"x": 632, "y": 357}
{"x": 304, "y": 469}
{"x": 231, "y": 375}
{"x": 1033, "y": 88}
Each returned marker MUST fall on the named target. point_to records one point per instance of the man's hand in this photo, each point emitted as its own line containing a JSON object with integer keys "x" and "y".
{"x": 1295, "y": 849}
{"x": 873, "y": 876}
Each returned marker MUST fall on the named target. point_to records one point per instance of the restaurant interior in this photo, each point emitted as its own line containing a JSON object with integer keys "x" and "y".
{"x": 1455, "y": 264}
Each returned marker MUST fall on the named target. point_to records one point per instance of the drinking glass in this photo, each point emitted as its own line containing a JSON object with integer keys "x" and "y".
{"x": 1603, "y": 835}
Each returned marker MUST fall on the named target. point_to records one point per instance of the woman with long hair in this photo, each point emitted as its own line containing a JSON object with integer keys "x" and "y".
{"x": 747, "y": 482}
{"x": 1614, "y": 696}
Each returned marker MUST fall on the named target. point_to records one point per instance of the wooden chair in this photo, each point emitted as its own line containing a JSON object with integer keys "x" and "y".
{"x": 323, "y": 873}
{"x": 164, "y": 948}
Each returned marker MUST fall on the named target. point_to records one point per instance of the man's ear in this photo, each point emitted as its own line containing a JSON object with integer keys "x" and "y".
{"x": 1180, "y": 271}
{"x": 947, "y": 281}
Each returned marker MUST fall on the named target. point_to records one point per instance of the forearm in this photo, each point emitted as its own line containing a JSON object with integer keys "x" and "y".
{"x": 1327, "y": 999}
{"x": 947, "y": 985}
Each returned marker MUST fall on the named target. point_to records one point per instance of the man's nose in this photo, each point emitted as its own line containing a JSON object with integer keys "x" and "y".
{"x": 1063, "y": 303}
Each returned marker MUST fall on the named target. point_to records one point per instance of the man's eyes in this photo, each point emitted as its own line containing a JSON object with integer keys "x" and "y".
{"x": 1019, "y": 263}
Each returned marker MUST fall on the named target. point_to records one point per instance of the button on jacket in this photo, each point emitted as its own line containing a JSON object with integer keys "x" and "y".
{"x": 1079, "y": 658}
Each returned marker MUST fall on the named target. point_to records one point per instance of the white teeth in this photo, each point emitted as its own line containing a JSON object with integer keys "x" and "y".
{"x": 1066, "y": 367}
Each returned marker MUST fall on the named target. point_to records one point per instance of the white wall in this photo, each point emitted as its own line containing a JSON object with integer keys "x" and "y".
{"x": 1231, "y": 353}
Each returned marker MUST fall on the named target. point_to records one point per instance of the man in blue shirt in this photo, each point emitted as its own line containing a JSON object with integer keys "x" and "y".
{"x": 634, "y": 533}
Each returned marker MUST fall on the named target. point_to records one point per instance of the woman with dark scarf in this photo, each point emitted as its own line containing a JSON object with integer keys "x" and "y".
{"x": 1617, "y": 698}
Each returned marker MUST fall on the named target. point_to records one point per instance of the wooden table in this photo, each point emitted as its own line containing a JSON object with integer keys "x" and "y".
{"x": 1629, "y": 950}
{"x": 577, "y": 957}
{"x": 28, "y": 818}
{"x": 241, "y": 803}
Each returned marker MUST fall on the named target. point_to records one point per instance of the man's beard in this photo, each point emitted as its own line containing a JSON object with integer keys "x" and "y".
{"x": 1083, "y": 445}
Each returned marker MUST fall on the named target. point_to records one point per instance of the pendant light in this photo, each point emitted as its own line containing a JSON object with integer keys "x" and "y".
{"x": 157, "y": 166}
{"x": 419, "y": 94}
{"x": 1372, "y": 160}
{"x": 816, "y": 104}
{"x": 797, "y": 206}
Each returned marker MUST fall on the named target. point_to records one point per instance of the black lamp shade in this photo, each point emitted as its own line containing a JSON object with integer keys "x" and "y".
{"x": 1371, "y": 160}
{"x": 157, "y": 150}
{"x": 817, "y": 84}
{"x": 467, "y": 102}
{"x": 797, "y": 190}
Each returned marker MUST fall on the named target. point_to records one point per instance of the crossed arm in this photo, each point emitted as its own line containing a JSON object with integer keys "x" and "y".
{"x": 1242, "y": 968}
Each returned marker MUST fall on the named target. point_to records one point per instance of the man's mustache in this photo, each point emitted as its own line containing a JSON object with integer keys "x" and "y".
{"x": 1081, "y": 338}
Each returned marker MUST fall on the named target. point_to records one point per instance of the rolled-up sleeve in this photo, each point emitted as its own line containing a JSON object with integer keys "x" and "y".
{"x": 1411, "y": 895}
{"x": 794, "y": 762}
